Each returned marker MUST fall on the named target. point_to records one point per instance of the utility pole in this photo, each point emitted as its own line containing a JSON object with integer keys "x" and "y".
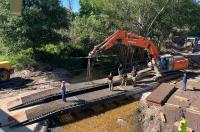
{"x": 70, "y": 4}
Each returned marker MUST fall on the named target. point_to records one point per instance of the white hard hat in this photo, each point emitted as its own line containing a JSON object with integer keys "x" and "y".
{"x": 149, "y": 64}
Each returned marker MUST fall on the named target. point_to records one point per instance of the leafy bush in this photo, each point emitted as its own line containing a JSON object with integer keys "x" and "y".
{"x": 24, "y": 59}
{"x": 39, "y": 24}
{"x": 50, "y": 49}
{"x": 74, "y": 50}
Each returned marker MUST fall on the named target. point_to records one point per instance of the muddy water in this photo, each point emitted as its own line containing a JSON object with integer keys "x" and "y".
{"x": 121, "y": 119}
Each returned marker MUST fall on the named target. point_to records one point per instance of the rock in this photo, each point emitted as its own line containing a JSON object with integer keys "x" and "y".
{"x": 145, "y": 95}
{"x": 151, "y": 117}
{"x": 121, "y": 122}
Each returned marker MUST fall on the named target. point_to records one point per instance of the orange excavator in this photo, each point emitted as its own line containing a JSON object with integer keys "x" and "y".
{"x": 172, "y": 65}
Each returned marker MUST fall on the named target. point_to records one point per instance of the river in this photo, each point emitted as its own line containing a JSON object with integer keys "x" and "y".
{"x": 120, "y": 119}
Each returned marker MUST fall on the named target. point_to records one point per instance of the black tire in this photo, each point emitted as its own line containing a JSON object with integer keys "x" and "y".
{"x": 4, "y": 75}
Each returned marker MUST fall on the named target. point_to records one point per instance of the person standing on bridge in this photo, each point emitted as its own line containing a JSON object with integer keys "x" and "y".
{"x": 110, "y": 81}
{"x": 63, "y": 91}
{"x": 124, "y": 79}
{"x": 134, "y": 73}
{"x": 184, "y": 83}
{"x": 120, "y": 71}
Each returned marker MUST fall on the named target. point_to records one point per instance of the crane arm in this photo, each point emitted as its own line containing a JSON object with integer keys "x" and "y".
{"x": 126, "y": 38}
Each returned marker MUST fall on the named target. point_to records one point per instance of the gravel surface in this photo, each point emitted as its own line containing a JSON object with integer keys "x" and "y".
{"x": 27, "y": 80}
{"x": 148, "y": 115}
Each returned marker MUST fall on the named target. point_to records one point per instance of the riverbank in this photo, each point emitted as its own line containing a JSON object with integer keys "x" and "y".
{"x": 148, "y": 115}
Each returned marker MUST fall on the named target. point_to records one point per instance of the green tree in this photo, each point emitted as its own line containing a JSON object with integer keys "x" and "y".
{"x": 154, "y": 18}
{"x": 41, "y": 22}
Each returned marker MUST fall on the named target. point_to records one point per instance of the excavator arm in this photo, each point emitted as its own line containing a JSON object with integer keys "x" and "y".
{"x": 126, "y": 38}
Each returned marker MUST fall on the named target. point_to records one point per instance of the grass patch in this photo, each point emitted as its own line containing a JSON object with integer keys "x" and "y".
{"x": 4, "y": 58}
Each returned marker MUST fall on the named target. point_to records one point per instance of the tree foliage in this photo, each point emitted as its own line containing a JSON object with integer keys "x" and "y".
{"x": 48, "y": 22}
{"x": 154, "y": 18}
{"x": 39, "y": 24}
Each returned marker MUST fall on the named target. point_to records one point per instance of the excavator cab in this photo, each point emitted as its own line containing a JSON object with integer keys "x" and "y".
{"x": 169, "y": 62}
{"x": 165, "y": 63}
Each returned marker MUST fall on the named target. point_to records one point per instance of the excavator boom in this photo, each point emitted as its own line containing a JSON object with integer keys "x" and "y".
{"x": 126, "y": 38}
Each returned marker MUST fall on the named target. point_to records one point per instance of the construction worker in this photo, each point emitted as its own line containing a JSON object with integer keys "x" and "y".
{"x": 184, "y": 83}
{"x": 63, "y": 91}
{"x": 134, "y": 73}
{"x": 183, "y": 124}
{"x": 124, "y": 79}
{"x": 163, "y": 64}
{"x": 120, "y": 71}
{"x": 110, "y": 81}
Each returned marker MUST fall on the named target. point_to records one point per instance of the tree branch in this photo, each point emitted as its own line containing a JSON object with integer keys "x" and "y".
{"x": 153, "y": 21}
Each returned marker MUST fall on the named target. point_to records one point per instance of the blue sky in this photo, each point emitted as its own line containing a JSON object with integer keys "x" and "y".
{"x": 75, "y": 4}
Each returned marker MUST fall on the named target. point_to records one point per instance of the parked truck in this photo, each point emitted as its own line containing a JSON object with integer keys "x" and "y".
{"x": 6, "y": 70}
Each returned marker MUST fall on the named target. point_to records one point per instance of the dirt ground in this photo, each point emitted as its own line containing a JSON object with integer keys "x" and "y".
{"x": 27, "y": 80}
{"x": 5, "y": 115}
{"x": 23, "y": 83}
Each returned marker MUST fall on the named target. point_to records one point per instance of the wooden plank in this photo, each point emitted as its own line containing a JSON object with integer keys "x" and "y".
{"x": 172, "y": 115}
{"x": 181, "y": 98}
{"x": 172, "y": 105}
{"x": 174, "y": 101}
{"x": 195, "y": 104}
{"x": 14, "y": 103}
{"x": 19, "y": 117}
{"x": 193, "y": 111}
{"x": 161, "y": 94}
{"x": 162, "y": 117}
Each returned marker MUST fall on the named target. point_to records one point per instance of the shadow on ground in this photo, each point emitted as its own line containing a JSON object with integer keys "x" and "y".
{"x": 15, "y": 83}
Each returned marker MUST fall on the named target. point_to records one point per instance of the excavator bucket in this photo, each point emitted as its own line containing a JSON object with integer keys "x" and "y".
{"x": 16, "y": 7}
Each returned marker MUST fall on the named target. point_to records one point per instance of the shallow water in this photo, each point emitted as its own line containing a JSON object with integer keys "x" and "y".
{"x": 121, "y": 119}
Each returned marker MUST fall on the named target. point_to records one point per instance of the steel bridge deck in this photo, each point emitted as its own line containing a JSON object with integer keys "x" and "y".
{"x": 58, "y": 107}
{"x": 50, "y": 94}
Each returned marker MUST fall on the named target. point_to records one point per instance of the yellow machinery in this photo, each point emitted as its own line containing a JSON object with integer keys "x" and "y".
{"x": 5, "y": 70}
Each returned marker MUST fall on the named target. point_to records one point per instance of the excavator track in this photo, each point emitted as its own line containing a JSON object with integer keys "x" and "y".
{"x": 150, "y": 73}
{"x": 169, "y": 76}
